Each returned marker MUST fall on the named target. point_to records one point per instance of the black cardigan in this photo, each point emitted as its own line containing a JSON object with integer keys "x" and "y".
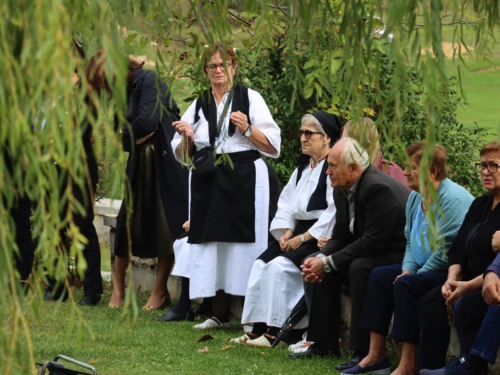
{"x": 474, "y": 253}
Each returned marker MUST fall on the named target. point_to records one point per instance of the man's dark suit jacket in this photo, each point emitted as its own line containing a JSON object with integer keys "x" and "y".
{"x": 379, "y": 219}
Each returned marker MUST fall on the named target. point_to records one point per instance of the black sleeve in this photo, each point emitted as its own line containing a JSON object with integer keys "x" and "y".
{"x": 381, "y": 214}
{"x": 149, "y": 109}
{"x": 456, "y": 253}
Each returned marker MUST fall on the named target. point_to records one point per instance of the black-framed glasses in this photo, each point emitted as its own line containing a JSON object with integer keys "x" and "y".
{"x": 492, "y": 167}
{"x": 307, "y": 133}
{"x": 213, "y": 67}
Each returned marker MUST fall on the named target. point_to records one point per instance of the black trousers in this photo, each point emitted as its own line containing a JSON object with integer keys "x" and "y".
{"x": 401, "y": 297}
{"x": 323, "y": 301}
{"x": 468, "y": 314}
{"x": 92, "y": 280}
{"x": 20, "y": 213}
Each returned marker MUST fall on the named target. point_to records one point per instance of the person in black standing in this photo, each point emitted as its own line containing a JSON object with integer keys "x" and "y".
{"x": 84, "y": 195}
{"x": 155, "y": 205}
{"x": 20, "y": 212}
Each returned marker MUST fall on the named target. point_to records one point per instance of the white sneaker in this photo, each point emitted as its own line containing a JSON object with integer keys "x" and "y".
{"x": 302, "y": 344}
{"x": 212, "y": 323}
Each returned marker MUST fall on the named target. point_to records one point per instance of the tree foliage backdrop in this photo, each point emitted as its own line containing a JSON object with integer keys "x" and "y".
{"x": 353, "y": 58}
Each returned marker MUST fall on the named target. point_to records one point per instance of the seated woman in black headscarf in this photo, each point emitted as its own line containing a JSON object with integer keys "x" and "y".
{"x": 306, "y": 212}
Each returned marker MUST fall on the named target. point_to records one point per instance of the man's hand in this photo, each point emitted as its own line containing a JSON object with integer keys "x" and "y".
{"x": 312, "y": 270}
{"x": 491, "y": 288}
{"x": 185, "y": 226}
{"x": 402, "y": 274}
{"x": 495, "y": 241}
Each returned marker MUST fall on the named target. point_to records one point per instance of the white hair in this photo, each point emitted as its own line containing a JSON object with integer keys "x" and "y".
{"x": 353, "y": 153}
{"x": 311, "y": 120}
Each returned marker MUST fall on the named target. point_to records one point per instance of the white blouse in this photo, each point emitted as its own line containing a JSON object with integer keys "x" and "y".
{"x": 260, "y": 117}
{"x": 293, "y": 201}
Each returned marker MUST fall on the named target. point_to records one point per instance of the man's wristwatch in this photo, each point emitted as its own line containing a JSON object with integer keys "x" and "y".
{"x": 326, "y": 267}
{"x": 302, "y": 238}
{"x": 248, "y": 132}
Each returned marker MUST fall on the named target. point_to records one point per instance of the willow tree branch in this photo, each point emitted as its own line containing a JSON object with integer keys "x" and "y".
{"x": 278, "y": 6}
{"x": 202, "y": 24}
{"x": 460, "y": 22}
{"x": 249, "y": 24}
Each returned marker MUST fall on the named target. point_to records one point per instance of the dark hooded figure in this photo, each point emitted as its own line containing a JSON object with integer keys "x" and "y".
{"x": 156, "y": 194}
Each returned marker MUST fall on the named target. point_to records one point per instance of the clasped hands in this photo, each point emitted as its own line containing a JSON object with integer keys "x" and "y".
{"x": 289, "y": 243}
{"x": 313, "y": 271}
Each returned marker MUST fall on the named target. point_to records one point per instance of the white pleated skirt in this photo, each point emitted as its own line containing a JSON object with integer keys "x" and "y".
{"x": 274, "y": 289}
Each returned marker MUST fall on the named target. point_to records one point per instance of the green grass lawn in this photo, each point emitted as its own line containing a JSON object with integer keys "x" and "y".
{"x": 116, "y": 346}
{"x": 481, "y": 86}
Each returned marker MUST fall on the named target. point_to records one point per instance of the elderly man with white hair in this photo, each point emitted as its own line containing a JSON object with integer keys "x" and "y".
{"x": 369, "y": 232}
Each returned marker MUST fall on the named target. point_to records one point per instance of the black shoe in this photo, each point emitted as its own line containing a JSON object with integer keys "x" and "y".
{"x": 315, "y": 350}
{"x": 54, "y": 294}
{"x": 171, "y": 316}
{"x": 355, "y": 359}
{"x": 90, "y": 300}
{"x": 202, "y": 310}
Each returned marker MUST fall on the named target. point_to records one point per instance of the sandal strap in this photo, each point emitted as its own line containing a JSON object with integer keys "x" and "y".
{"x": 269, "y": 336}
{"x": 216, "y": 320}
{"x": 250, "y": 334}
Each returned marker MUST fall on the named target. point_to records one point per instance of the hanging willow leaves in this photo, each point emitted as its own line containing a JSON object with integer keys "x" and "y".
{"x": 353, "y": 58}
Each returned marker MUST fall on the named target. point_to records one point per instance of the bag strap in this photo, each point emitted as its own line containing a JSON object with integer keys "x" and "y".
{"x": 238, "y": 96}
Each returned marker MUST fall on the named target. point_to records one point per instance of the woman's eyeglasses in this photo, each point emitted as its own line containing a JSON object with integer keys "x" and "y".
{"x": 307, "y": 133}
{"x": 492, "y": 167}
{"x": 213, "y": 67}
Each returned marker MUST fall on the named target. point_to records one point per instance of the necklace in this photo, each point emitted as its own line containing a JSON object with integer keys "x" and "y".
{"x": 320, "y": 160}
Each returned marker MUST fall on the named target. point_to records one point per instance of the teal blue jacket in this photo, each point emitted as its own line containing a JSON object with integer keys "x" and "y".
{"x": 447, "y": 216}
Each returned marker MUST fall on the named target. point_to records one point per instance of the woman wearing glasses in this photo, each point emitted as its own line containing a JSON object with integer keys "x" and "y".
{"x": 229, "y": 209}
{"x": 306, "y": 213}
{"x": 459, "y": 300}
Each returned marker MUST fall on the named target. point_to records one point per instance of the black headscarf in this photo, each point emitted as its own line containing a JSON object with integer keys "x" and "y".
{"x": 330, "y": 123}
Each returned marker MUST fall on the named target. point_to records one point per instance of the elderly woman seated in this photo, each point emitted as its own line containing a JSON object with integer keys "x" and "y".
{"x": 306, "y": 212}
{"x": 432, "y": 223}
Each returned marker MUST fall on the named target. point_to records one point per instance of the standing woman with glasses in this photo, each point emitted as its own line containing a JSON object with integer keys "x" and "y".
{"x": 459, "y": 300}
{"x": 229, "y": 206}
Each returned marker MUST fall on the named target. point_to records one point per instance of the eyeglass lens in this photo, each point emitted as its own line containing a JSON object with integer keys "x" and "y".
{"x": 307, "y": 133}
{"x": 213, "y": 67}
{"x": 492, "y": 167}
